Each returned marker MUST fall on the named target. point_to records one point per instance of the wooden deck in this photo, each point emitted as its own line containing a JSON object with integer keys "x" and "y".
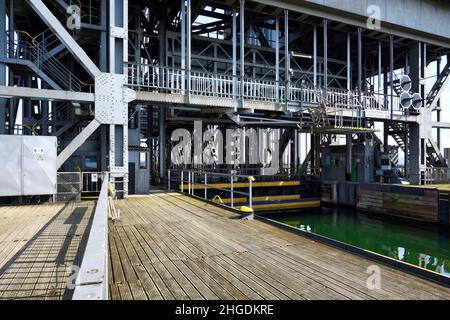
{"x": 37, "y": 246}
{"x": 169, "y": 246}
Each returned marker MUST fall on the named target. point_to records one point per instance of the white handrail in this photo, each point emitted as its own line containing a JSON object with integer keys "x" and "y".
{"x": 92, "y": 278}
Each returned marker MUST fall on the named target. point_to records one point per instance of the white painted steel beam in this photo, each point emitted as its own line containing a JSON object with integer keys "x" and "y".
{"x": 65, "y": 37}
{"x": 77, "y": 142}
{"x": 45, "y": 94}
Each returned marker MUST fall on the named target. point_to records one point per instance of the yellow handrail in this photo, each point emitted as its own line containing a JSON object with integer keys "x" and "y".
{"x": 218, "y": 197}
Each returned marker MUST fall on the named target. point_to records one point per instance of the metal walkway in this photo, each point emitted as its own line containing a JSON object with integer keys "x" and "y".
{"x": 170, "y": 246}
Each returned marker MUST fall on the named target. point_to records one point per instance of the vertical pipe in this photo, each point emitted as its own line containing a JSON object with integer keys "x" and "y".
{"x": 234, "y": 54}
{"x": 424, "y": 69}
{"x": 182, "y": 181}
{"x": 188, "y": 44}
{"x": 391, "y": 69}
{"x": 348, "y": 158}
{"x": 125, "y": 43}
{"x": 359, "y": 61}
{"x": 277, "y": 60}
{"x": 168, "y": 179}
{"x": 183, "y": 46}
{"x": 325, "y": 53}
{"x": 438, "y": 105}
{"x": 287, "y": 55}
{"x": 206, "y": 186}
{"x": 2, "y": 65}
{"x": 162, "y": 142}
{"x": 232, "y": 190}
{"x": 112, "y": 40}
{"x": 349, "y": 63}
{"x": 379, "y": 66}
{"x": 296, "y": 151}
{"x": 315, "y": 55}
{"x": 250, "y": 193}
{"x": 242, "y": 48}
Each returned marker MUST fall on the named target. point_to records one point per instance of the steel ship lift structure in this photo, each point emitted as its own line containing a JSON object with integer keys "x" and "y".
{"x": 112, "y": 89}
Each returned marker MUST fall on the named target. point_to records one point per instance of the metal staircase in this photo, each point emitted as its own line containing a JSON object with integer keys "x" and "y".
{"x": 398, "y": 134}
{"x": 435, "y": 92}
{"x": 434, "y": 159}
{"x": 395, "y": 84}
{"x": 24, "y": 50}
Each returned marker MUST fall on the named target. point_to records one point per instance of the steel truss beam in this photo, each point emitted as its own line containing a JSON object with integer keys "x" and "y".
{"x": 45, "y": 94}
{"x": 65, "y": 37}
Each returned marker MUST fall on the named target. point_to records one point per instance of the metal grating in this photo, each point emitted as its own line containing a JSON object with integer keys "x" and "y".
{"x": 69, "y": 186}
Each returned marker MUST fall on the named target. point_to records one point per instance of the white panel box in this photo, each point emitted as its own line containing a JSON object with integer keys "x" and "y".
{"x": 11, "y": 164}
{"x": 30, "y": 165}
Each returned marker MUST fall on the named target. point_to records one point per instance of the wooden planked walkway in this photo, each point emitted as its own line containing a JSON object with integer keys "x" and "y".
{"x": 169, "y": 246}
{"x": 37, "y": 246}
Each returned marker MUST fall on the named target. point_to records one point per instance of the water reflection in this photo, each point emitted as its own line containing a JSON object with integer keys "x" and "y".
{"x": 424, "y": 245}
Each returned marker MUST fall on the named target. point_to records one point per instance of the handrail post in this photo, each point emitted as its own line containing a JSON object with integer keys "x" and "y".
{"x": 250, "y": 193}
{"x": 182, "y": 181}
{"x": 206, "y": 186}
{"x": 232, "y": 191}
{"x": 189, "y": 182}
{"x": 168, "y": 179}
{"x": 193, "y": 183}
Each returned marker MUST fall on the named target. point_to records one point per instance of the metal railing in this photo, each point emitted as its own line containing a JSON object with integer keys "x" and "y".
{"x": 92, "y": 279}
{"x": 206, "y": 185}
{"x": 92, "y": 182}
{"x": 436, "y": 176}
{"x": 22, "y": 46}
{"x": 173, "y": 80}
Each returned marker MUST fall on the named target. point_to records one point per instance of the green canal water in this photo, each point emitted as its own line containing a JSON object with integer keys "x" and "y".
{"x": 424, "y": 245}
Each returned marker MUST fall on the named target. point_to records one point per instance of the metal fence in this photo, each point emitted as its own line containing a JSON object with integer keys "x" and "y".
{"x": 72, "y": 185}
{"x": 199, "y": 183}
{"x": 92, "y": 279}
{"x": 436, "y": 176}
{"x": 69, "y": 186}
{"x": 201, "y": 83}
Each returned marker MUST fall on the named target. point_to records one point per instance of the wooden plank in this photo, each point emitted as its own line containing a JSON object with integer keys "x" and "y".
{"x": 188, "y": 249}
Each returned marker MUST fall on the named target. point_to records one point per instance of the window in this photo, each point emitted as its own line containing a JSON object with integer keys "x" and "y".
{"x": 142, "y": 160}
{"x": 90, "y": 163}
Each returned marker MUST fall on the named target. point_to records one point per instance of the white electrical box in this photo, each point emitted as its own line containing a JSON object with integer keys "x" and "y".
{"x": 28, "y": 165}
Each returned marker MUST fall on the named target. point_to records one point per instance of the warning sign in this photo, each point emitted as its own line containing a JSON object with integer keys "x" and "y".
{"x": 38, "y": 150}
{"x": 94, "y": 177}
